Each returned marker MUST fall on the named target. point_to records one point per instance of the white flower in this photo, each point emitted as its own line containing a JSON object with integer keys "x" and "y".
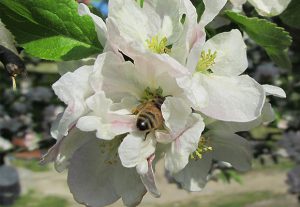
{"x": 216, "y": 66}
{"x": 125, "y": 85}
{"x": 158, "y": 27}
{"x": 265, "y": 7}
{"x": 222, "y": 144}
{"x": 95, "y": 173}
{"x": 215, "y": 145}
{"x": 72, "y": 88}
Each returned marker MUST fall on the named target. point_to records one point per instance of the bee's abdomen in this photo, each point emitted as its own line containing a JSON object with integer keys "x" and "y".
{"x": 149, "y": 119}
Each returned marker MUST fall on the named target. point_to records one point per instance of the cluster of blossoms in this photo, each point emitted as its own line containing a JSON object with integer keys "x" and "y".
{"x": 160, "y": 90}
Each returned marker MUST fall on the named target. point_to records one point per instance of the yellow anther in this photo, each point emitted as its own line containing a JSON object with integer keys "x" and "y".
{"x": 202, "y": 148}
{"x": 157, "y": 46}
{"x": 206, "y": 61}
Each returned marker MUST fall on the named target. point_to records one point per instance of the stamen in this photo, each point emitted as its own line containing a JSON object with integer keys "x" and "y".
{"x": 14, "y": 83}
{"x": 157, "y": 46}
{"x": 206, "y": 61}
{"x": 202, "y": 149}
{"x": 150, "y": 94}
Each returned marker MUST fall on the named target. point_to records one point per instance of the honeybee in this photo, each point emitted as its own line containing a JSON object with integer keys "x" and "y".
{"x": 149, "y": 116}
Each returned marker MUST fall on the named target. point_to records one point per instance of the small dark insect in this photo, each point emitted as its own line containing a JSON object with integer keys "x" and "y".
{"x": 149, "y": 116}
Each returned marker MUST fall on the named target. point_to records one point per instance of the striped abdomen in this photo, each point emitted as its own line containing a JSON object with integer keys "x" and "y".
{"x": 150, "y": 117}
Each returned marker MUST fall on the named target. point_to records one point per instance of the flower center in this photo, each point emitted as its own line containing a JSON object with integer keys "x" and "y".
{"x": 148, "y": 113}
{"x": 110, "y": 149}
{"x": 158, "y": 46}
{"x": 206, "y": 61}
{"x": 202, "y": 148}
{"x": 150, "y": 94}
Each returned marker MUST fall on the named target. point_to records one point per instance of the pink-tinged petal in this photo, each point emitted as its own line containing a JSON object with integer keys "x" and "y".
{"x": 149, "y": 179}
{"x": 121, "y": 124}
{"x": 197, "y": 45}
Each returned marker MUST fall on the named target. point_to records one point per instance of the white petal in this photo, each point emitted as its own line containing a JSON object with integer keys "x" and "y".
{"x": 99, "y": 23}
{"x": 194, "y": 90}
{"x": 267, "y": 115}
{"x": 72, "y": 89}
{"x": 183, "y": 44}
{"x": 135, "y": 149}
{"x": 175, "y": 112}
{"x": 231, "y": 51}
{"x": 212, "y": 9}
{"x": 106, "y": 123}
{"x": 231, "y": 148}
{"x": 185, "y": 143}
{"x": 105, "y": 60}
{"x": 94, "y": 182}
{"x": 122, "y": 15}
{"x": 270, "y": 7}
{"x": 64, "y": 149}
{"x": 121, "y": 79}
{"x": 131, "y": 189}
{"x": 194, "y": 176}
{"x": 238, "y": 99}
{"x": 274, "y": 91}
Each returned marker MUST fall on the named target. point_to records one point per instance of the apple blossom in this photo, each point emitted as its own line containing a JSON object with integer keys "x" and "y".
{"x": 156, "y": 27}
{"x": 216, "y": 67}
{"x": 221, "y": 143}
{"x": 111, "y": 112}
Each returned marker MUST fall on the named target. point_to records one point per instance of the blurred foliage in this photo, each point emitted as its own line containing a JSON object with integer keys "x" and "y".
{"x": 235, "y": 200}
{"x": 32, "y": 165}
{"x": 33, "y": 199}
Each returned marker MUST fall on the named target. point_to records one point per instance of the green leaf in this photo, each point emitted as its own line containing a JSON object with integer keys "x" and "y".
{"x": 200, "y": 7}
{"x": 275, "y": 40}
{"x": 50, "y": 29}
{"x": 291, "y": 16}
